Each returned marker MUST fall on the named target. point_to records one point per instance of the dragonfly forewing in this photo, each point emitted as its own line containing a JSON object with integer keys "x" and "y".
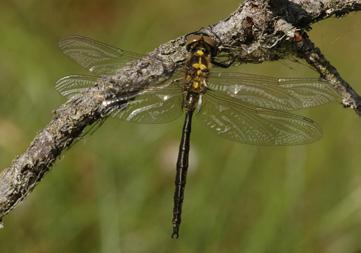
{"x": 271, "y": 92}
{"x": 96, "y": 56}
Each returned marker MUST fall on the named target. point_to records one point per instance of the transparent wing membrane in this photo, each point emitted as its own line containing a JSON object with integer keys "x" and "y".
{"x": 74, "y": 85}
{"x": 158, "y": 103}
{"x": 96, "y": 56}
{"x": 237, "y": 121}
{"x": 272, "y": 92}
{"x": 154, "y": 105}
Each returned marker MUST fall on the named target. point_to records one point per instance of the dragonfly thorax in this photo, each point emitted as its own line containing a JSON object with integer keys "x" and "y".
{"x": 197, "y": 71}
{"x": 201, "y": 48}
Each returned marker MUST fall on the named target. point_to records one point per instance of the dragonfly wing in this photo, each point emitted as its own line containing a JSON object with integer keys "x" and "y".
{"x": 74, "y": 85}
{"x": 154, "y": 105}
{"x": 159, "y": 103}
{"x": 237, "y": 121}
{"x": 96, "y": 56}
{"x": 271, "y": 92}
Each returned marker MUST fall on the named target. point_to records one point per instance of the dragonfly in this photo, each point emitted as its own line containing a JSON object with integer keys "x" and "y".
{"x": 241, "y": 107}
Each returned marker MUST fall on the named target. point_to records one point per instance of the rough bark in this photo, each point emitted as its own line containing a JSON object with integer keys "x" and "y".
{"x": 259, "y": 30}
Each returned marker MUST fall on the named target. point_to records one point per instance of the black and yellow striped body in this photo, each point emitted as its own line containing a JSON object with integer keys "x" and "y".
{"x": 201, "y": 49}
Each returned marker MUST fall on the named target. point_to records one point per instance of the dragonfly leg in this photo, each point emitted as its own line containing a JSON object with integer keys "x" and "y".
{"x": 224, "y": 64}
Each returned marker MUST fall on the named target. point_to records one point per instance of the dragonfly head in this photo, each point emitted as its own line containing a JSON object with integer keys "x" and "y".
{"x": 201, "y": 44}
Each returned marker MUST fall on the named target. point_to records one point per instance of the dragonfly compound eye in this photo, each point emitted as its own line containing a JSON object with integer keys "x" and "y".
{"x": 196, "y": 40}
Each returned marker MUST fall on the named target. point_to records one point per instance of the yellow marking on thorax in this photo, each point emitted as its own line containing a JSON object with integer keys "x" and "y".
{"x": 199, "y": 73}
{"x": 199, "y": 53}
{"x": 199, "y": 65}
{"x": 196, "y": 85}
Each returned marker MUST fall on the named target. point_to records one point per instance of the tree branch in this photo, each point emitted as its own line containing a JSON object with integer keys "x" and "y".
{"x": 259, "y": 30}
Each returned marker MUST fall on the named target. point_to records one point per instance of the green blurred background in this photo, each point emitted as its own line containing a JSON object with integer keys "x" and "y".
{"x": 112, "y": 191}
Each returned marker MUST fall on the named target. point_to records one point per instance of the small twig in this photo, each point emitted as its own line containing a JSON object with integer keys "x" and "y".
{"x": 315, "y": 58}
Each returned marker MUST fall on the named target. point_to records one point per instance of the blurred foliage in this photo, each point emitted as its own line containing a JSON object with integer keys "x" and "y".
{"x": 112, "y": 192}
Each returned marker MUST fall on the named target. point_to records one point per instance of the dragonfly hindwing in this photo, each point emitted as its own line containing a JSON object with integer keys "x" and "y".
{"x": 156, "y": 104}
{"x": 96, "y": 56}
{"x": 237, "y": 121}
